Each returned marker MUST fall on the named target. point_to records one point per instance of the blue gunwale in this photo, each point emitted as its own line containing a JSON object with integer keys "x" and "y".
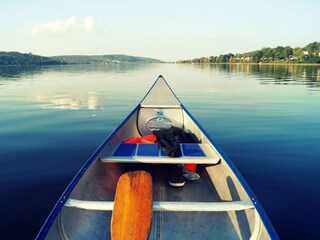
{"x": 55, "y": 211}
{"x": 264, "y": 218}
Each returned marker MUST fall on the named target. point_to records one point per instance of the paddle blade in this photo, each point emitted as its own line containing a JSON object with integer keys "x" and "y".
{"x": 132, "y": 212}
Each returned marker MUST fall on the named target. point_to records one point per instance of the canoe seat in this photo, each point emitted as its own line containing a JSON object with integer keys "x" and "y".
{"x": 151, "y": 153}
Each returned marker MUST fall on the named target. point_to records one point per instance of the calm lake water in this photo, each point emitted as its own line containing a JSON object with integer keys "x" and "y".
{"x": 265, "y": 118}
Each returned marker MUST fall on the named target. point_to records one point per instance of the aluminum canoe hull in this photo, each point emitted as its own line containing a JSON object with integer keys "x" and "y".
{"x": 220, "y": 205}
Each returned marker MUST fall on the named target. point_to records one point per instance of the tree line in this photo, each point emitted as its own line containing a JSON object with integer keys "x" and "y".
{"x": 25, "y": 59}
{"x": 308, "y": 54}
{"x": 16, "y": 58}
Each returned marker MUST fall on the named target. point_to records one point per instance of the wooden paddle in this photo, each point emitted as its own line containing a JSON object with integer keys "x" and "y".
{"x": 132, "y": 212}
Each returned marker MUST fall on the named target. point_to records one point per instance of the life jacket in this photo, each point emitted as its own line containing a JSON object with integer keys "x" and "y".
{"x": 147, "y": 139}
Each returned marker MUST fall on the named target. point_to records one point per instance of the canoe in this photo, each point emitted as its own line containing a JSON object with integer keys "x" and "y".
{"x": 219, "y": 205}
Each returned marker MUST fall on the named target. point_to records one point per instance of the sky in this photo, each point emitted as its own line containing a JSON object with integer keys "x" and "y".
{"x": 168, "y": 30}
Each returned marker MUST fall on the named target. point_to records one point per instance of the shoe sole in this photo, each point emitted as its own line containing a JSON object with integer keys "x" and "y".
{"x": 177, "y": 184}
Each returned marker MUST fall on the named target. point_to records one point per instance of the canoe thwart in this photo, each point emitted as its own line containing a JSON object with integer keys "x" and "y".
{"x": 151, "y": 153}
{"x": 167, "y": 206}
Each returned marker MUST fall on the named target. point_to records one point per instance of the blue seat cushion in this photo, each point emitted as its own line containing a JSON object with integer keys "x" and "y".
{"x": 192, "y": 150}
{"x": 125, "y": 150}
{"x": 151, "y": 150}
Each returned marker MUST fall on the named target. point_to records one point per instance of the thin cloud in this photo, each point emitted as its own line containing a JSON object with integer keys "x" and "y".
{"x": 90, "y": 24}
{"x": 68, "y": 26}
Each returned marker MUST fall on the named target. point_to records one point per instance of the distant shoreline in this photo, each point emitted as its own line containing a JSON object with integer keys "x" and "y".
{"x": 300, "y": 64}
{"x": 309, "y": 54}
{"x": 29, "y": 59}
{"x": 74, "y": 64}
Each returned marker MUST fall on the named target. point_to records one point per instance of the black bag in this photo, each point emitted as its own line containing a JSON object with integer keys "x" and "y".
{"x": 169, "y": 140}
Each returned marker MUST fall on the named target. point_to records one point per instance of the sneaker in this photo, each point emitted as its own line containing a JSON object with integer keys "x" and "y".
{"x": 191, "y": 176}
{"x": 175, "y": 176}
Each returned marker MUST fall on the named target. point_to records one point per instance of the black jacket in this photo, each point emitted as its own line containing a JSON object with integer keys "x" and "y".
{"x": 169, "y": 140}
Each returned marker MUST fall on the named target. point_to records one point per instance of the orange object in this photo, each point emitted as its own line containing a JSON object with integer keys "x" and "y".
{"x": 191, "y": 167}
{"x": 147, "y": 139}
{"x": 132, "y": 212}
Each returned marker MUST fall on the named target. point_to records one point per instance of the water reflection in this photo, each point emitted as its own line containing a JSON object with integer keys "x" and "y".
{"x": 89, "y": 87}
{"x": 90, "y": 101}
{"x": 71, "y": 87}
{"x": 268, "y": 73}
{"x": 8, "y": 73}
{"x": 18, "y": 72}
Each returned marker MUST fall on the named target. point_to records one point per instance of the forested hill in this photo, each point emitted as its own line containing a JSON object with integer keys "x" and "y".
{"x": 308, "y": 54}
{"x": 113, "y": 58}
{"x": 16, "y": 58}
